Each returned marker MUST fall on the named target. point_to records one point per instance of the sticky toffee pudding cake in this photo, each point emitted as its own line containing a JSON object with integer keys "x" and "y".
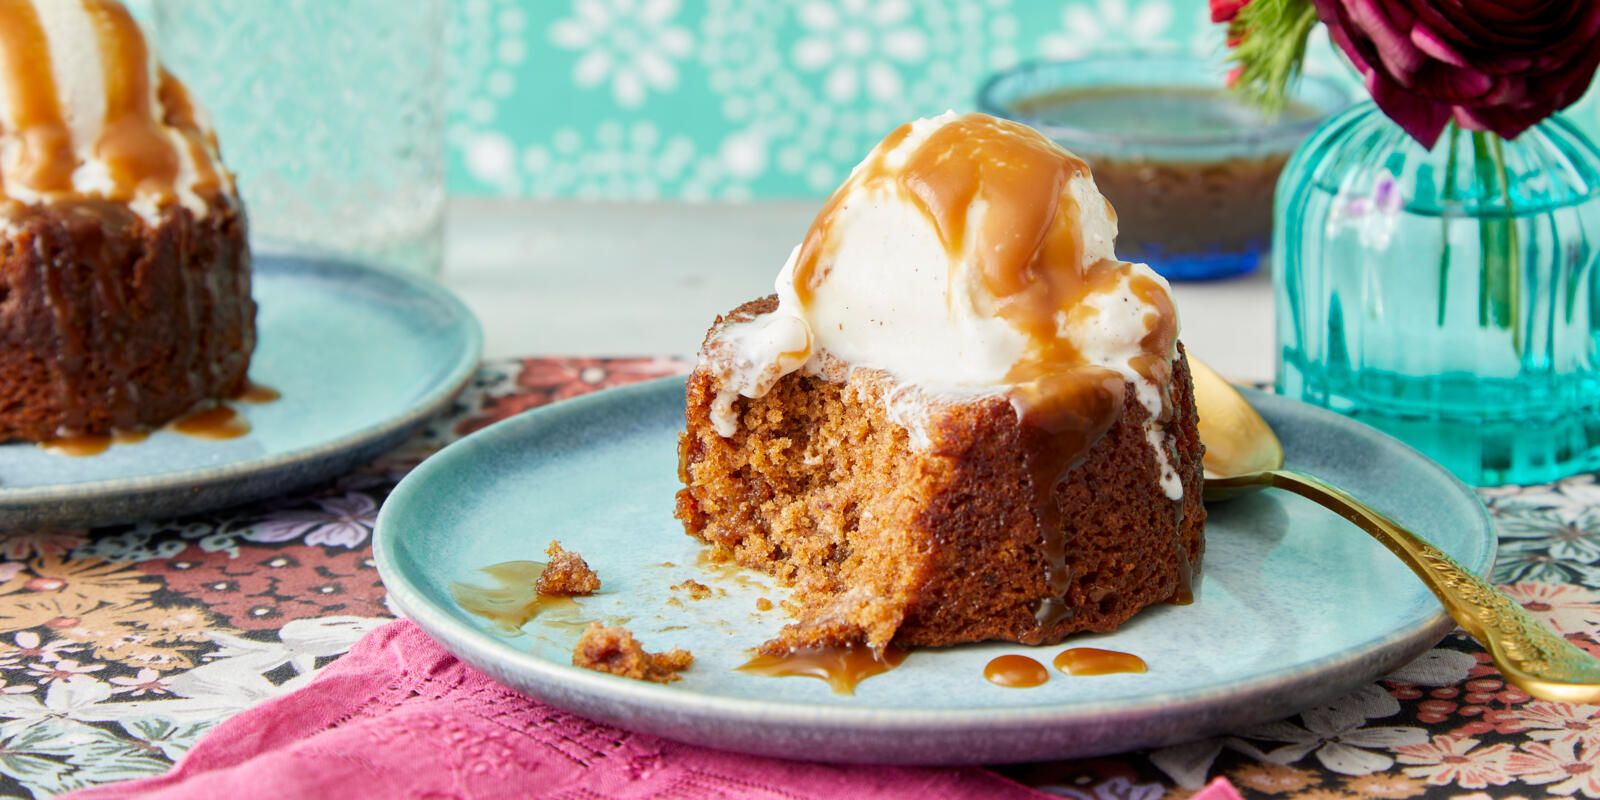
{"x": 124, "y": 269}
{"x": 960, "y": 418}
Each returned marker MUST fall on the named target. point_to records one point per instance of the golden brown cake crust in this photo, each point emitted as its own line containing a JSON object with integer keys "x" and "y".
{"x": 566, "y": 574}
{"x": 107, "y": 321}
{"x": 886, "y": 542}
{"x": 613, "y": 650}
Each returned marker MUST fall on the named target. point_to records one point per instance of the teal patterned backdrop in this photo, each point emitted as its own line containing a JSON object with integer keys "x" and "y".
{"x": 738, "y": 99}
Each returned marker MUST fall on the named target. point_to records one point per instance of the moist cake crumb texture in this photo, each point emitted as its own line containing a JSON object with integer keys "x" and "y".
{"x": 614, "y": 650}
{"x": 566, "y": 574}
{"x": 938, "y": 545}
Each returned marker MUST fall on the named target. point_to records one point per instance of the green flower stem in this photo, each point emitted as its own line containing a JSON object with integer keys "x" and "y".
{"x": 1500, "y": 279}
{"x": 1449, "y": 197}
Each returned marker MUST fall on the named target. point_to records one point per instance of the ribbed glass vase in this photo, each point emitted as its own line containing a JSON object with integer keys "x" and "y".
{"x": 1448, "y": 296}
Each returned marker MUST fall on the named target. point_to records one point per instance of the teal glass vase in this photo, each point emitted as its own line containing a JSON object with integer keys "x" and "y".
{"x": 1449, "y": 295}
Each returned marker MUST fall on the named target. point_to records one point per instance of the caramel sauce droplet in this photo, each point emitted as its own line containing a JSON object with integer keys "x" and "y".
{"x": 256, "y": 393}
{"x": 92, "y": 444}
{"x": 515, "y": 600}
{"x": 1094, "y": 661}
{"x": 842, "y": 667}
{"x": 46, "y": 161}
{"x": 1016, "y": 672}
{"x": 78, "y": 446}
{"x": 220, "y": 422}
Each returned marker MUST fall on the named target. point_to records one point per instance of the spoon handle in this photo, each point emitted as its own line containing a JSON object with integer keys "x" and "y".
{"x": 1531, "y": 656}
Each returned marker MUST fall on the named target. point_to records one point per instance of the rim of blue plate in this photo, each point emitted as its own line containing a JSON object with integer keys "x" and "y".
{"x": 426, "y": 408}
{"x": 480, "y": 647}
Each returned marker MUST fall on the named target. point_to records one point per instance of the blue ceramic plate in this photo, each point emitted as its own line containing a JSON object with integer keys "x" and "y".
{"x": 1296, "y": 606}
{"x": 363, "y": 358}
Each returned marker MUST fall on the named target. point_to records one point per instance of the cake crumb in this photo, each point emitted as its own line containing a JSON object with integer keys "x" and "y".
{"x": 763, "y": 604}
{"x": 614, "y": 650}
{"x": 567, "y": 574}
{"x": 696, "y": 589}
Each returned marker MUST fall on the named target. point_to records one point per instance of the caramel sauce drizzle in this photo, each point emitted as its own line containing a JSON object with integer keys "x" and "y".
{"x": 843, "y": 668}
{"x": 1015, "y": 672}
{"x": 180, "y": 116}
{"x": 1095, "y": 661}
{"x": 514, "y": 601}
{"x": 140, "y": 157}
{"x": 1029, "y": 254}
{"x": 46, "y": 160}
{"x": 136, "y": 152}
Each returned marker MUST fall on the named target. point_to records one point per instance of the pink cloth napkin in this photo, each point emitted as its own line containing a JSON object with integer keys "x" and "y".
{"x": 400, "y": 717}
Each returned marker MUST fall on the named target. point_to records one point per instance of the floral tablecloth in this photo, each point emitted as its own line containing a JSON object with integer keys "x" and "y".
{"x": 120, "y": 646}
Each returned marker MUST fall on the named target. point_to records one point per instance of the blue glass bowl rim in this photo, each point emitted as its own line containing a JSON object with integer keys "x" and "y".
{"x": 1329, "y": 97}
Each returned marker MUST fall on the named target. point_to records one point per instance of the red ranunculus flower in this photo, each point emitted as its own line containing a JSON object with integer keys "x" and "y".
{"x": 1494, "y": 65}
{"x": 1226, "y": 10}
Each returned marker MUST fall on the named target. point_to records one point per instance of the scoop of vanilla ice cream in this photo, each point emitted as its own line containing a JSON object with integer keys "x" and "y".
{"x": 74, "y": 74}
{"x": 893, "y": 296}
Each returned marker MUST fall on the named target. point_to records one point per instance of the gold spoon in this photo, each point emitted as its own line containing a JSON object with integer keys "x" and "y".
{"x": 1243, "y": 455}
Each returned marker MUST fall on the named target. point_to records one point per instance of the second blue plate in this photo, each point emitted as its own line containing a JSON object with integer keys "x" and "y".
{"x": 362, "y": 358}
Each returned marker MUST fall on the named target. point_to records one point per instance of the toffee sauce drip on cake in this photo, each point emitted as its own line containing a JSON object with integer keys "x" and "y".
{"x": 1030, "y": 258}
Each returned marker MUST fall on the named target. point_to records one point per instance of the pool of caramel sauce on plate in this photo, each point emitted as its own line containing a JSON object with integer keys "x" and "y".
{"x": 514, "y": 600}
{"x": 217, "y": 422}
{"x": 843, "y": 668}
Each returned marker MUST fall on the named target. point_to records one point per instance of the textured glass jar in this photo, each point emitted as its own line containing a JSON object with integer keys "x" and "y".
{"x": 331, "y": 113}
{"x": 1448, "y": 296}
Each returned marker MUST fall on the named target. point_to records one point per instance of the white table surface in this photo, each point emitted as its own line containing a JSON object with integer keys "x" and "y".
{"x": 576, "y": 278}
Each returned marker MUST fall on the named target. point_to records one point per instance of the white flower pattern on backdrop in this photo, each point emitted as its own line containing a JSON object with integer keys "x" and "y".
{"x": 1457, "y": 761}
{"x": 632, "y": 162}
{"x": 808, "y": 85}
{"x": 1338, "y": 734}
{"x": 1109, "y": 24}
{"x": 634, "y": 44}
{"x": 863, "y": 45}
{"x": 344, "y": 521}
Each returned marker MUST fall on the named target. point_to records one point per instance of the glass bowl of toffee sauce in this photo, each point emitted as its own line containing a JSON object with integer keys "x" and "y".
{"x": 1189, "y": 167}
